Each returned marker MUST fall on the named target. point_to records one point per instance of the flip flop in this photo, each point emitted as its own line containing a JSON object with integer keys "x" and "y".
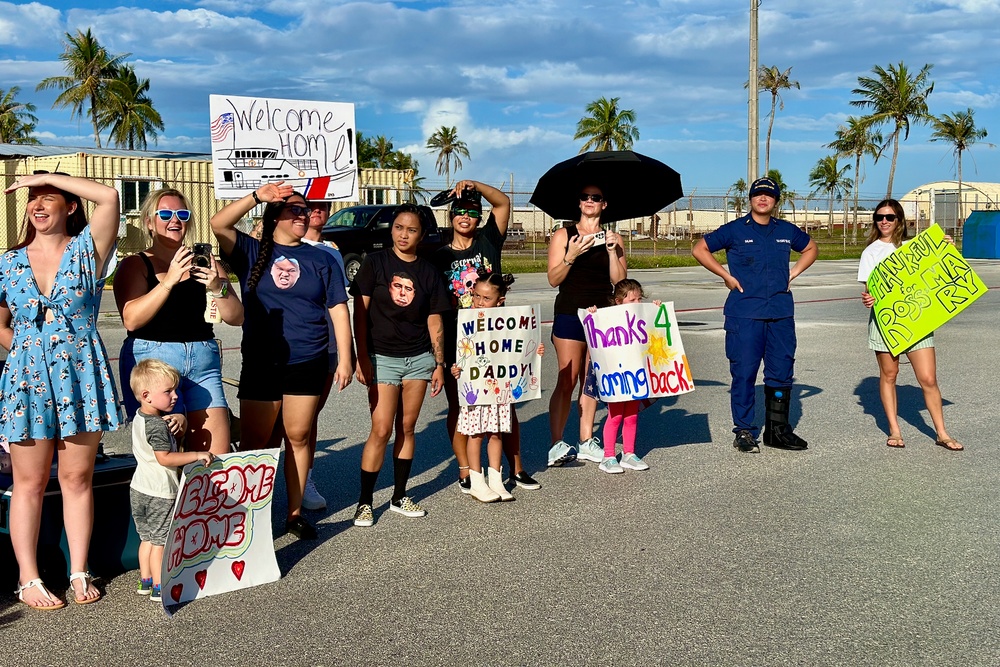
{"x": 895, "y": 441}
{"x": 950, "y": 444}
{"x": 55, "y": 603}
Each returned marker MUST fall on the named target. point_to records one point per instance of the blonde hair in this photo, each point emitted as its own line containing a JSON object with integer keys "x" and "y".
{"x": 152, "y": 202}
{"x": 148, "y": 371}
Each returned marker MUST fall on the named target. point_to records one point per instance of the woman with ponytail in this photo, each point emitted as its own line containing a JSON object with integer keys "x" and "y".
{"x": 289, "y": 289}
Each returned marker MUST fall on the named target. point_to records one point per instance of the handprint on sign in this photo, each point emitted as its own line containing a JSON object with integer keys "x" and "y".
{"x": 470, "y": 393}
{"x": 518, "y": 391}
{"x": 503, "y": 396}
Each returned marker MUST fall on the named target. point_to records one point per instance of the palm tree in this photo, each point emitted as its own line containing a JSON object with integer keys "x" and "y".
{"x": 90, "y": 69}
{"x": 17, "y": 119}
{"x": 607, "y": 128}
{"x": 383, "y": 151}
{"x": 769, "y": 78}
{"x": 739, "y": 200}
{"x": 898, "y": 96}
{"x": 450, "y": 149}
{"x": 366, "y": 153}
{"x": 958, "y": 129}
{"x": 829, "y": 177}
{"x": 129, "y": 112}
{"x": 858, "y": 140}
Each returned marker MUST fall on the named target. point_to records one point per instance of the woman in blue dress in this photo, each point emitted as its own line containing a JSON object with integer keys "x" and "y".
{"x": 58, "y": 392}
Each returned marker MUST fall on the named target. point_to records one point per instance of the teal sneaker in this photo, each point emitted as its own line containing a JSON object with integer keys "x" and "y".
{"x": 591, "y": 450}
{"x": 633, "y": 462}
{"x": 561, "y": 454}
{"x": 155, "y": 594}
{"x": 145, "y": 586}
{"x": 610, "y": 465}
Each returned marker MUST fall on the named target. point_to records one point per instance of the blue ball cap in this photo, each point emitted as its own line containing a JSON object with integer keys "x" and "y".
{"x": 765, "y": 186}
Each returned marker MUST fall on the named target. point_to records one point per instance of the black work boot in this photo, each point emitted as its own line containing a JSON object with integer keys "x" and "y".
{"x": 777, "y": 432}
{"x": 745, "y": 442}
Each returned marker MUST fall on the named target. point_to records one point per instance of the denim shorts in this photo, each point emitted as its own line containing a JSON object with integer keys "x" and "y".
{"x": 199, "y": 364}
{"x": 394, "y": 370}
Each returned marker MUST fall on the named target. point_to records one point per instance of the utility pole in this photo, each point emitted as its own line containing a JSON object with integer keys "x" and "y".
{"x": 753, "y": 114}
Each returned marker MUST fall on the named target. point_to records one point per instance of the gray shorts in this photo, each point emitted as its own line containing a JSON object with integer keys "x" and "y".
{"x": 152, "y": 517}
{"x": 393, "y": 370}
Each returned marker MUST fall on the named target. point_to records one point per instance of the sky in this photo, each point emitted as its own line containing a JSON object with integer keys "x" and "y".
{"x": 515, "y": 77}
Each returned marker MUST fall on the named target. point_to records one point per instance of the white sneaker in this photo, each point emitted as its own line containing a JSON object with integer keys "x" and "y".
{"x": 311, "y": 498}
{"x": 591, "y": 450}
{"x": 633, "y": 462}
{"x": 610, "y": 465}
{"x": 561, "y": 453}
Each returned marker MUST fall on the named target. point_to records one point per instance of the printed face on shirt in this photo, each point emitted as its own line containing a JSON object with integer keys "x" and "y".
{"x": 285, "y": 272}
{"x": 401, "y": 289}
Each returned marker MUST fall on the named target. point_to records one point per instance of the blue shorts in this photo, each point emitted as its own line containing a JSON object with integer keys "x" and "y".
{"x": 568, "y": 327}
{"x": 394, "y": 370}
{"x": 199, "y": 364}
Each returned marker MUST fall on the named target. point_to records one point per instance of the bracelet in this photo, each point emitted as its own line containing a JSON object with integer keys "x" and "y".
{"x": 567, "y": 263}
{"x": 222, "y": 292}
{"x": 442, "y": 364}
{"x": 256, "y": 198}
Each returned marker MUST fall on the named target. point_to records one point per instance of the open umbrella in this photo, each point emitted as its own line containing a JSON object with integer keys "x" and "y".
{"x": 634, "y": 185}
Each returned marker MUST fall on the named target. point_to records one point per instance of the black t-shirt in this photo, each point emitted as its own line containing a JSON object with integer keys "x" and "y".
{"x": 402, "y": 296}
{"x": 461, "y": 267}
{"x": 588, "y": 282}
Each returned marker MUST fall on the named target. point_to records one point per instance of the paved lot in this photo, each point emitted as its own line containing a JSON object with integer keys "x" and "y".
{"x": 849, "y": 553}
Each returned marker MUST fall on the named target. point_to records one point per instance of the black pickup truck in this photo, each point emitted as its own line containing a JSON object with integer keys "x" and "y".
{"x": 359, "y": 230}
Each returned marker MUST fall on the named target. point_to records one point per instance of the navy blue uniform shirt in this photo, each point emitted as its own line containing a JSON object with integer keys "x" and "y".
{"x": 758, "y": 256}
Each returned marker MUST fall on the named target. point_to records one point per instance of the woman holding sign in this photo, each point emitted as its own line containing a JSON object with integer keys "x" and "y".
{"x": 165, "y": 295}
{"x": 585, "y": 262}
{"x": 887, "y": 233}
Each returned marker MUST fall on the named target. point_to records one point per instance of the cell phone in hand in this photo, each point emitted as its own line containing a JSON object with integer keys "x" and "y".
{"x": 202, "y": 255}
{"x": 600, "y": 236}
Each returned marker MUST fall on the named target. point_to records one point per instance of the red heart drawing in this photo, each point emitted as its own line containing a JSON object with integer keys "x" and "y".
{"x": 238, "y": 569}
{"x": 199, "y": 576}
{"x": 175, "y": 592}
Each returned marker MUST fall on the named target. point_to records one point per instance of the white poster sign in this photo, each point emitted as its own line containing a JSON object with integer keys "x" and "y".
{"x": 498, "y": 355}
{"x": 220, "y": 536}
{"x": 310, "y": 145}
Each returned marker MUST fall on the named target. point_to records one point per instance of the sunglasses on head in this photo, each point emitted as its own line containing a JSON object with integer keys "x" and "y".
{"x": 584, "y": 196}
{"x": 473, "y": 213}
{"x": 889, "y": 217}
{"x": 43, "y": 171}
{"x": 165, "y": 214}
{"x": 297, "y": 209}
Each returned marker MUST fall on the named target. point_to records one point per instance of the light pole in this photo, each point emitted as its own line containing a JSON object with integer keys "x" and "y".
{"x": 753, "y": 111}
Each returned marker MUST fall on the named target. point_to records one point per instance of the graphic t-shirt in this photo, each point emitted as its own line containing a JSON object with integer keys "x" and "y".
{"x": 403, "y": 295}
{"x": 285, "y": 317}
{"x": 462, "y": 267}
{"x": 150, "y": 435}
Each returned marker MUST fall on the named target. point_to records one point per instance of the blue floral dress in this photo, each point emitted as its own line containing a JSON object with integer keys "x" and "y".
{"x": 57, "y": 381}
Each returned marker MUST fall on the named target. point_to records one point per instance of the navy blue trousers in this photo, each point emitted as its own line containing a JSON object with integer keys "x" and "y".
{"x": 748, "y": 342}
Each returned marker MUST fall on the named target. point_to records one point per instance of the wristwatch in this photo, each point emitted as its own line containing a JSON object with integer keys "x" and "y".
{"x": 222, "y": 293}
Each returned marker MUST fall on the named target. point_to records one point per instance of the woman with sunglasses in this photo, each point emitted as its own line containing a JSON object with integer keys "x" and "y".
{"x": 291, "y": 289}
{"x": 887, "y": 233}
{"x": 162, "y": 297}
{"x": 474, "y": 251}
{"x": 585, "y": 268}
{"x": 57, "y": 388}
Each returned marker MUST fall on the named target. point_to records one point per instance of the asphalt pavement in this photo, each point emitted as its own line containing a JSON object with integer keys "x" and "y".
{"x": 848, "y": 553}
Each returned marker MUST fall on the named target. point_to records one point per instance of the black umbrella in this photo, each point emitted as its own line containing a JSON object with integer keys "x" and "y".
{"x": 633, "y": 185}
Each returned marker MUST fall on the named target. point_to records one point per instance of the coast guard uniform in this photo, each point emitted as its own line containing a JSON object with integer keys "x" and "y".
{"x": 760, "y": 322}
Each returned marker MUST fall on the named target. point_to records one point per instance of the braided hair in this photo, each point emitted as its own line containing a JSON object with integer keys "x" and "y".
{"x": 501, "y": 281}
{"x": 269, "y": 222}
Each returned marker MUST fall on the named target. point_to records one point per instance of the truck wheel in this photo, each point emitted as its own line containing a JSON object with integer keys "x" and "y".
{"x": 352, "y": 263}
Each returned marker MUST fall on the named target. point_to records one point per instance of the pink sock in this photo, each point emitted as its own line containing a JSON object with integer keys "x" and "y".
{"x": 611, "y": 424}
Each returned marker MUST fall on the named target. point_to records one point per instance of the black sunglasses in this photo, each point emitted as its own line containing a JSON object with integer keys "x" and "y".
{"x": 296, "y": 209}
{"x": 889, "y": 217}
{"x": 584, "y": 196}
{"x": 43, "y": 171}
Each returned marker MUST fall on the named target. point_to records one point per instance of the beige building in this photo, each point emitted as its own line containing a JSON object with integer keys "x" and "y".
{"x": 136, "y": 173}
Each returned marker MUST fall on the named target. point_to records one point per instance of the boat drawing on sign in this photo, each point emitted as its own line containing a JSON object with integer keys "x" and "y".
{"x": 253, "y": 167}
